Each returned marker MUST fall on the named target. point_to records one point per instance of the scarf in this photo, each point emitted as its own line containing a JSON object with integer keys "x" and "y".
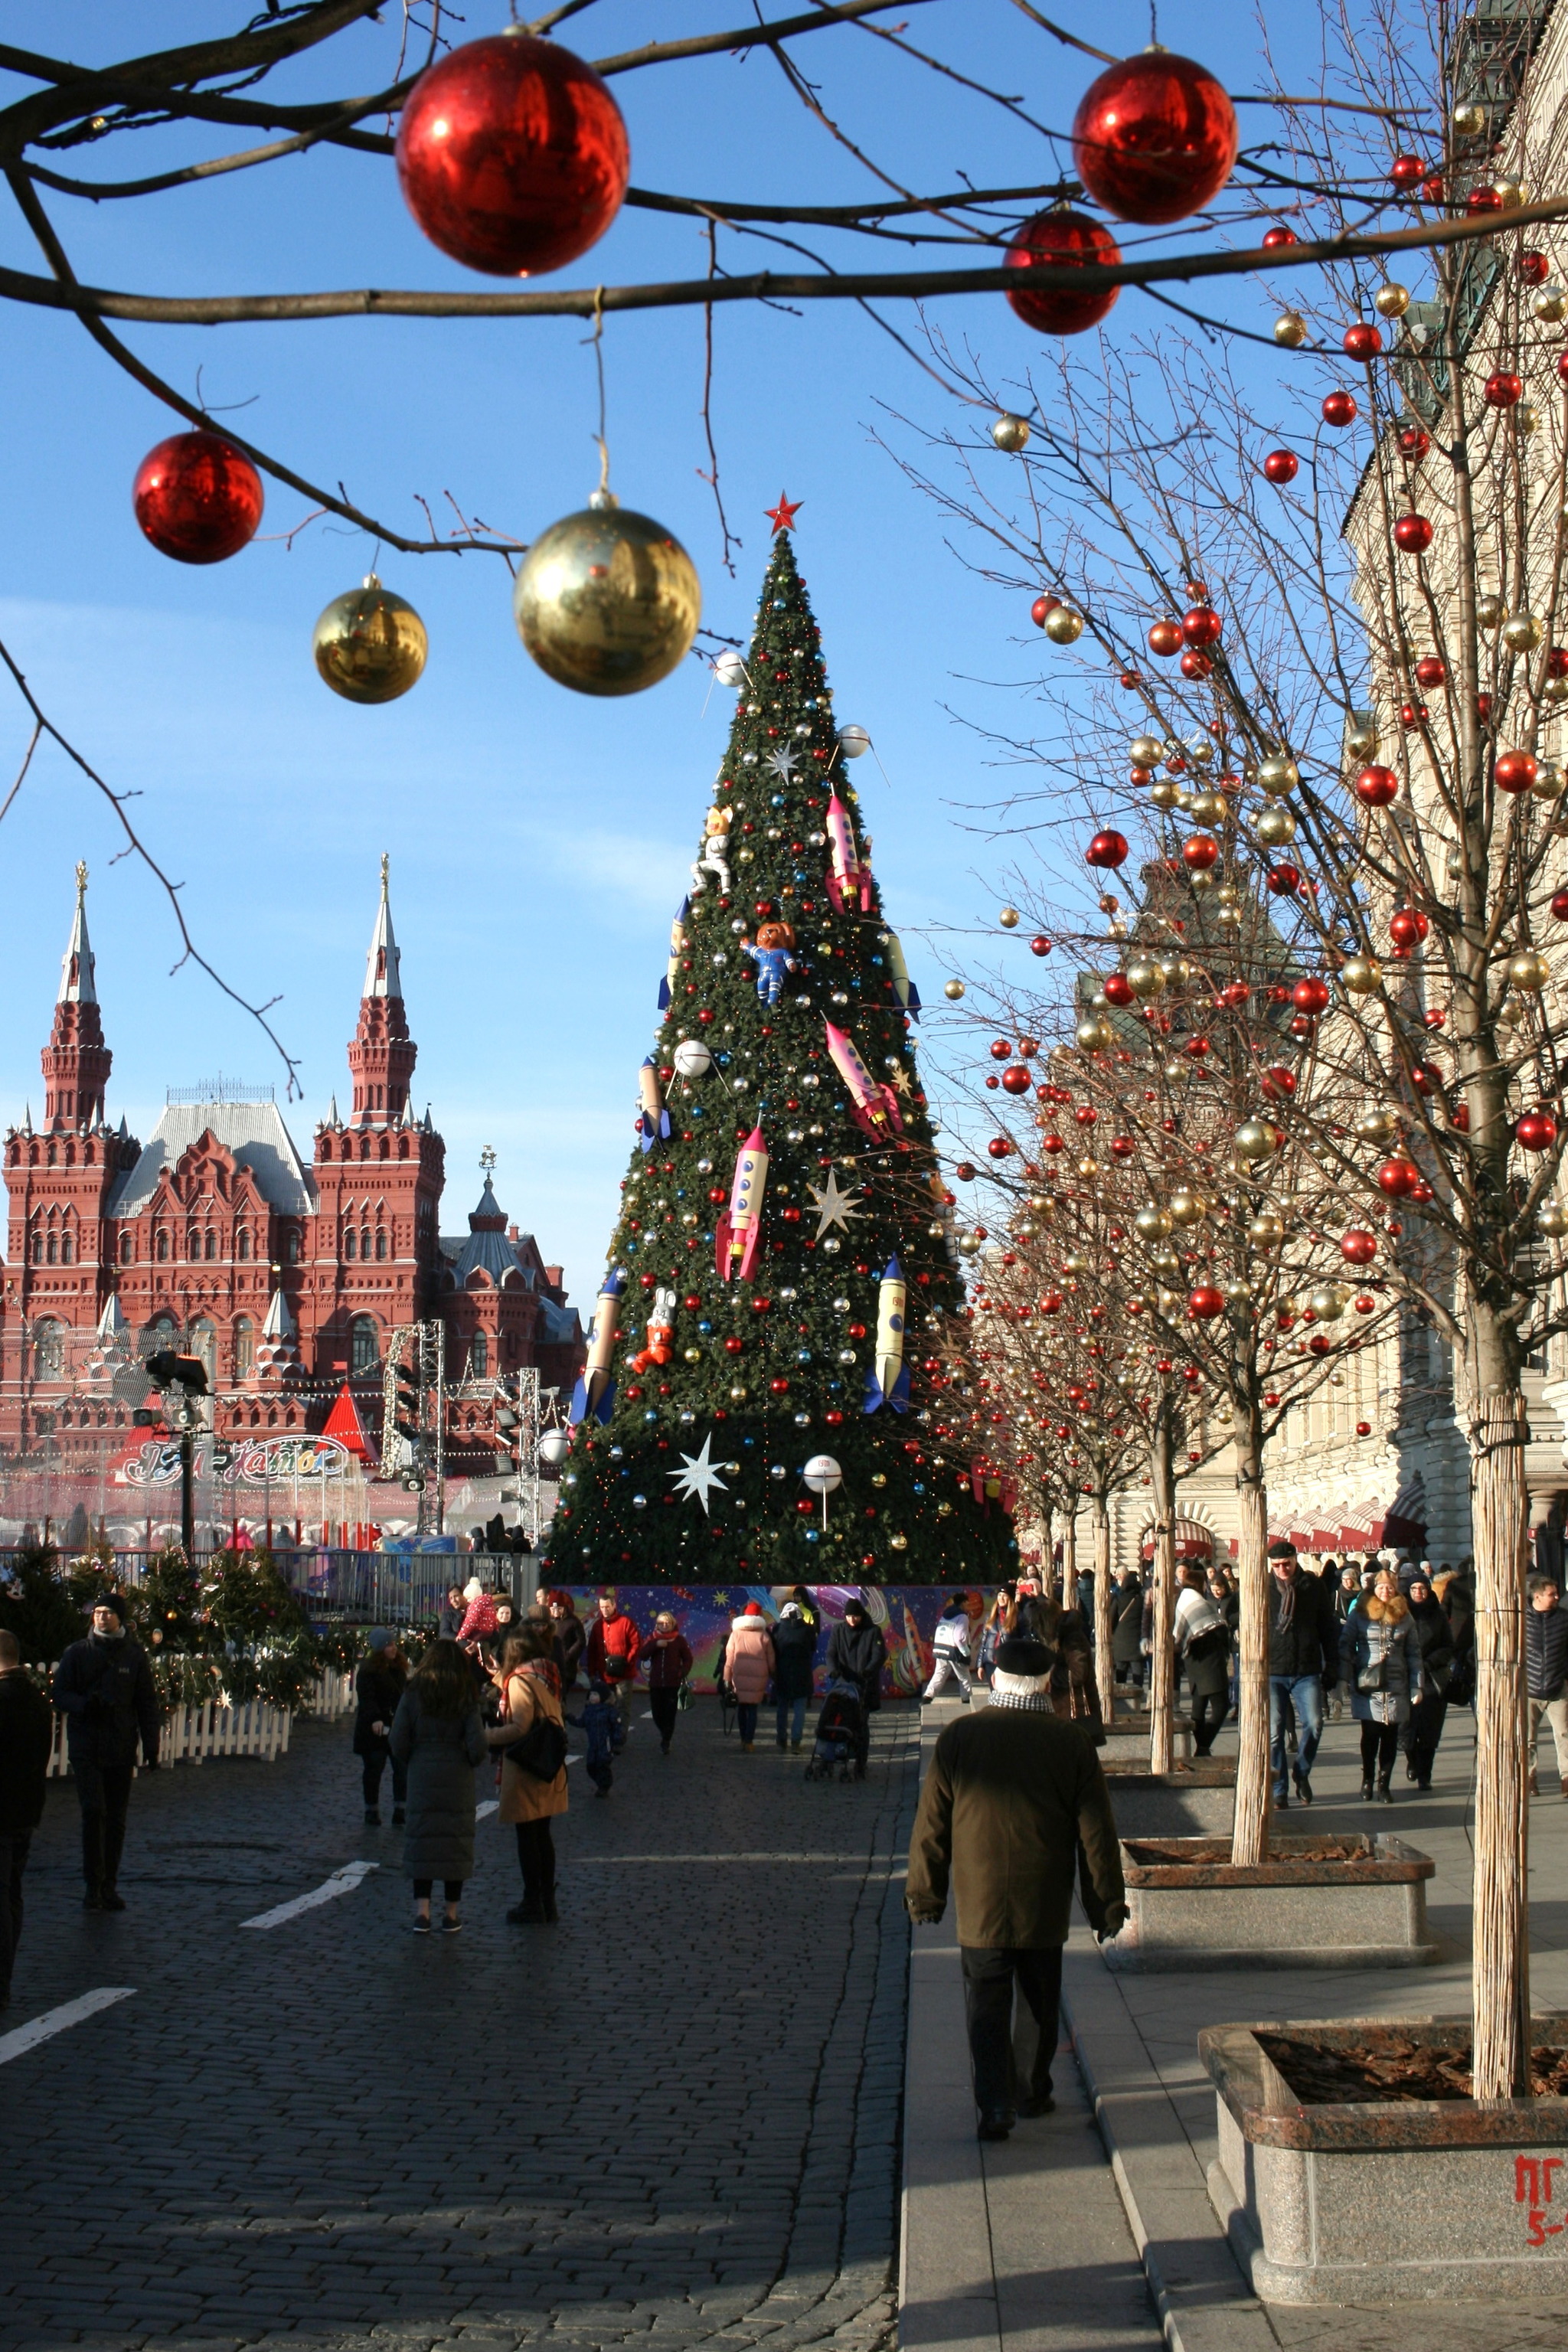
{"x": 1285, "y": 1595}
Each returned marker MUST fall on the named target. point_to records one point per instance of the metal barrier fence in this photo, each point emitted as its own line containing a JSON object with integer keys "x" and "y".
{"x": 378, "y": 1588}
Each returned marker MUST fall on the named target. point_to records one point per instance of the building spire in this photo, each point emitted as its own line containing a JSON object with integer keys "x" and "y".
{"x": 383, "y": 976}
{"x": 77, "y": 983}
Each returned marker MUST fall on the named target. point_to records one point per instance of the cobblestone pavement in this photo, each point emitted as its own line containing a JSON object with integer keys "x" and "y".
{"x": 673, "y": 2120}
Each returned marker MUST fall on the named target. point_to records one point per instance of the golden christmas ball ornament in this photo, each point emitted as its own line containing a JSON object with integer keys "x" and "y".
{"x": 1008, "y": 919}
{"x": 1550, "y": 778}
{"x": 1290, "y": 331}
{"x": 1550, "y": 305}
{"x": 1188, "y": 1208}
{"x": 1521, "y": 633}
{"x": 1390, "y": 300}
{"x": 1153, "y": 1223}
{"x": 370, "y": 645}
{"x": 1010, "y": 433}
{"x": 1528, "y": 971}
{"x": 607, "y": 601}
{"x": 1275, "y": 825}
{"x": 1144, "y": 977}
{"x": 1376, "y": 1125}
{"x": 1552, "y": 1219}
{"x": 1361, "y": 740}
{"x": 1279, "y": 774}
{"x": 1166, "y": 793}
{"x": 1146, "y": 750}
{"x": 1267, "y": 1231}
{"x": 1470, "y": 119}
{"x": 952, "y": 989}
{"x": 1256, "y": 1140}
{"x": 1491, "y": 611}
{"x": 1064, "y": 625}
{"x": 1360, "y": 974}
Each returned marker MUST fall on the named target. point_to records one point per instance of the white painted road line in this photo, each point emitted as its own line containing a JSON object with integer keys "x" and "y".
{"x": 56, "y": 2020}
{"x": 491, "y": 1805}
{"x": 341, "y": 1882}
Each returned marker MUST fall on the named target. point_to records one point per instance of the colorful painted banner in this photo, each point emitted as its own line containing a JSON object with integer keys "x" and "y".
{"x": 234, "y": 1462}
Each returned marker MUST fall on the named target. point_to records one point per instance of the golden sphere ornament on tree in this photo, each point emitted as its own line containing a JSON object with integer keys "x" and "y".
{"x": 1166, "y": 793}
{"x": 1528, "y": 971}
{"x": 607, "y": 601}
{"x": 1290, "y": 330}
{"x": 1279, "y": 774}
{"x": 952, "y": 989}
{"x": 1361, "y": 740}
{"x": 1390, "y": 300}
{"x": 1064, "y": 625}
{"x": 1521, "y": 633}
{"x": 370, "y": 645}
{"x": 1008, "y": 919}
{"x": 1552, "y": 1219}
{"x": 1276, "y": 825}
{"x": 1146, "y": 750}
{"x": 1255, "y": 1139}
{"x": 1010, "y": 432}
{"x": 1360, "y": 974}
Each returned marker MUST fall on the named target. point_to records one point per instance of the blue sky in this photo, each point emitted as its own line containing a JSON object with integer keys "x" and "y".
{"x": 538, "y": 840}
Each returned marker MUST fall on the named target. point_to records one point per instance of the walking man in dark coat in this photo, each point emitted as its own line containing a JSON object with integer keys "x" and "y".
{"x": 1011, "y": 1796}
{"x": 26, "y": 1733}
{"x": 103, "y": 1687}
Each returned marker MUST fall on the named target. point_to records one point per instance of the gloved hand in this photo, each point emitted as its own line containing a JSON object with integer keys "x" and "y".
{"x": 923, "y": 1917}
{"x": 1115, "y": 1920}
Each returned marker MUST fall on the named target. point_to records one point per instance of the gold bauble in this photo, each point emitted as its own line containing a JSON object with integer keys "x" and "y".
{"x": 1174, "y": 971}
{"x": 899, "y": 1543}
{"x": 1528, "y": 971}
{"x": 370, "y": 645}
{"x": 1267, "y": 1231}
{"x": 1188, "y": 1208}
{"x": 1275, "y": 825}
{"x": 1008, "y": 919}
{"x": 694, "y": 1355}
{"x": 1064, "y": 625}
{"x": 1376, "y": 1125}
{"x": 954, "y": 989}
{"x": 878, "y": 1477}
{"x": 607, "y": 602}
{"x": 1470, "y": 119}
{"x": 1010, "y": 432}
{"x": 1095, "y": 1035}
{"x": 1550, "y": 305}
{"x": 1360, "y": 974}
{"x": 1361, "y": 740}
{"x": 1551, "y": 779}
{"x": 1390, "y": 300}
{"x": 1256, "y": 1138}
{"x": 1328, "y": 1305}
{"x": 1152, "y": 1224}
{"x": 1552, "y": 1219}
{"x": 1290, "y": 330}
{"x": 1146, "y": 750}
{"x": 1144, "y": 977}
{"x": 1166, "y": 793}
{"x": 1527, "y": 417}
{"x": 1521, "y": 633}
{"x": 1199, "y": 881}
{"x": 1279, "y": 774}
{"x": 1210, "y": 808}
{"x": 1490, "y": 610}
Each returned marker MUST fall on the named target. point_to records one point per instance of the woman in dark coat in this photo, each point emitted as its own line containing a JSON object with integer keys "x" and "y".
{"x": 378, "y": 1687}
{"x": 569, "y": 1636}
{"x": 1424, "y": 1729}
{"x": 794, "y": 1655}
{"x": 857, "y": 1653}
{"x": 1127, "y": 1628}
{"x": 436, "y": 1733}
{"x": 1075, "y": 1687}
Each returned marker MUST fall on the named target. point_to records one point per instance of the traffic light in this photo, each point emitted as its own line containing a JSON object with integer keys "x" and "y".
{"x": 407, "y": 1417}
{"x": 166, "y": 1370}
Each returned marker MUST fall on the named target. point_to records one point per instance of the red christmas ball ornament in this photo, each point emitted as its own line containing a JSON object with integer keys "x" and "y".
{"x": 1398, "y": 1177}
{"x": 1483, "y": 707}
{"x": 1205, "y": 1303}
{"x": 999, "y": 1146}
{"x": 1376, "y": 786}
{"x": 1199, "y": 853}
{"x": 1431, "y": 670}
{"x": 1514, "y": 771}
{"x": 1106, "y": 849}
{"x": 1559, "y": 904}
{"x": 1118, "y": 989}
{"x": 1202, "y": 626}
{"x": 1364, "y": 1429}
{"x": 1557, "y": 661}
{"x": 1015, "y": 1081}
{"x": 1278, "y": 236}
{"x": 1165, "y": 638}
{"x": 1233, "y": 995}
{"x": 1362, "y": 340}
{"x": 1434, "y": 187}
{"x": 1535, "y": 1130}
{"x": 1414, "y": 444}
{"x": 1311, "y": 995}
{"x": 964, "y": 1171}
{"x": 1534, "y": 267}
{"x": 1483, "y": 200}
{"x": 1122, "y": 1147}
{"x": 1408, "y": 171}
{"x": 1195, "y": 665}
{"x": 1340, "y": 408}
{"x": 197, "y": 498}
{"x": 1041, "y": 609}
{"x": 1358, "y": 1247}
{"x": 1503, "y": 389}
{"x": 1001, "y": 1049}
{"x": 1086, "y": 1115}
{"x": 1154, "y": 138}
{"x": 512, "y": 155}
{"x": 1278, "y": 1083}
{"x": 1562, "y": 367}
{"x": 733, "y": 1347}
{"x": 1073, "y": 240}
{"x": 1413, "y": 533}
{"x": 1040, "y": 947}
{"x": 1284, "y": 880}
{"x": 1280, "y": 466}
{"x": 1407, "y": 927}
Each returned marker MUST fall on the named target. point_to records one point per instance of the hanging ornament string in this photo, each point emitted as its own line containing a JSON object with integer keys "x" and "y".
{"x": 602, "y": 497}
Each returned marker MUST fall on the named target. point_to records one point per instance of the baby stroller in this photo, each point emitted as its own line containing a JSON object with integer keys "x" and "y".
{"x": 839, "y": 1730}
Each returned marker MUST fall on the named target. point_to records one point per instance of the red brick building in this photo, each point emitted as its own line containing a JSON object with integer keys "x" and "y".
{"x": 215, "y": 1237}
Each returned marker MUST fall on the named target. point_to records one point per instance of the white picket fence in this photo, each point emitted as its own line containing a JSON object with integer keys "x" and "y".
{"x": 190, "y": 1734}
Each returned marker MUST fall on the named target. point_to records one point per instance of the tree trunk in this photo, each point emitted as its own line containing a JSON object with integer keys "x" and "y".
{"x": 1162, "y": 1656}
{"x": 1104, "y": 1665}
{"x": 1069, "y": 1555}
{"x": 1048, "y": 1553}
{"x": 1501, "y": 1970}
{"x": 1249, "y": 1835}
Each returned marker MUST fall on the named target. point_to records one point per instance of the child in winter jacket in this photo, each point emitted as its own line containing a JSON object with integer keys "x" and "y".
{"x": 598, "y": 1723}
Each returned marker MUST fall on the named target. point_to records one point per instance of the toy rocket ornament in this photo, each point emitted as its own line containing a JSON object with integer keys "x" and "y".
{"x": 595, "y": 1391}
{"x": 873, "y": 1106}
{"x": 739, "y": 1233}
{"x": 888, "y": 1375}
{"x": 848, "y": 883}
{"x": 677, "y": 949}
{"x": 904, "y": 989}
{"x": 653, "y": 1120}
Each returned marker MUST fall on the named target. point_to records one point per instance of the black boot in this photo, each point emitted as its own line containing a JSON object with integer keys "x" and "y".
{"x": 92, "y": 1861}
{"x": 113, "y": 1847}
{"x": 1366, "y": 1788}
{"x": 552, "y": 1916}
{"x": 1385, "y": 1794}
{"x": 398, "y": 1817}
{"x": 529, "y": 1912}
{"x": 372, "y": 1817}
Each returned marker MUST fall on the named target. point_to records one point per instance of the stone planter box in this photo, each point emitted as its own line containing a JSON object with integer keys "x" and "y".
{"x": 1400, "y": 2201}
{"x": 1127, "y": 1740}
{"x": 1196, "y": 1800}
{"x": 1188, "y": 1906}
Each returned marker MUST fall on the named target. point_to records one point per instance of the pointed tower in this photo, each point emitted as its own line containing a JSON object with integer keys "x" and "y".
{"x": 278, "y": 1354}
{"x": 382, "y": 1053}
{"x": 76, "y": 1061}
{"x": 779, "y": 1286}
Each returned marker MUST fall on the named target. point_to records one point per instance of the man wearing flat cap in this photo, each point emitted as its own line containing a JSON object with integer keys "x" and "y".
{"x": 1014, "y": 1800}
{"x": 103, "y": 1687}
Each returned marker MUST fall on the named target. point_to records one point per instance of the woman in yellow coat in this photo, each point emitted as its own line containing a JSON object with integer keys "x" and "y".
{"x": 531, "y": 1693}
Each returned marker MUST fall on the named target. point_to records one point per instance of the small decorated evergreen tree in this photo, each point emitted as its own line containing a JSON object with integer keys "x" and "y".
{"x": 781, "y": 1284}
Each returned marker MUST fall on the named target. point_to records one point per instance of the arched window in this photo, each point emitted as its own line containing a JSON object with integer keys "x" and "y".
{"x": 291, "y": 1248}
{"x": 212, "y": 1243}
{"x": 242, "y": 1246}
{"x": 381, "y": 1241}
{"x": 127, "y": 1249}
{"x": 67, "y": 1247}
{"x": 351, "y": 1243}
{"x": 203, "y": 1344}
{"x": 244, "y": 1347}
{"x": 480, "y": 1355}
{"x": 192, "y": 1244}
{"x": 54, "y": 1157}
{"x": 162, "y": 1248}
{"x": 365, "y": 1346}
{"x": 37, "y": 1247}
{"x": 365, "y": 1241}
{"x": 49, "y": 1350}
{"x": 54, "y": 1249}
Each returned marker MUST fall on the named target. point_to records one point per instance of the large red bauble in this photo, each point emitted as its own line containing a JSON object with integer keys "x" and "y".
{"x": 1407, "y": 171}
{"x": 1278, "y": 1083}
{"x": 1154, "y": 138}
{"x": 1376, "y": 786}
{"x": 1118, "y": 989}
{"x": 1205, "y": 1303}
{"x": 1534, "y": 267}
{"x": 1364, "y": 1429}
{"x": 1001, "y": 1049}
{"x": 1414, "y": 444}
{"x": 1559, "y": 904}
{"x": 1503, "y": 389}
{"x": 1515, "y": 771}
{"x": 1165, "y": 638}
{"x": 1234, "y": 994}
{"x": 1413, "y": 533}
{"x": 1202, "y": 626}
{"x": 1193, "y": 663}
{"x": 1536, "y": 1130}
{"x": 1042, "y": 608}
{"x": 1040, "y": 947}
{"x": 999, "y": 1146}
{"x": 1340, "y": 408}
{"x": 1276, "y": 238}
{"x": 1562, "y": 367}
{"x": 1281, "y": 465}
{"x": 1072, "y": 239}
{"x": 1431, "y": 670}
{"x": 1362, "y": 340}
{"x": 1284, "y": 879}
{"x": 1358, "y": 1247}
{"x": 512, "y": 155}
{"x": 1407, "y": 927}
{"x": 1311, "y": 995}
{"x": 1398, "y": 1177}
{"x": 1557, "y": 661}
{"x": 1015, "y": 1081}
{"x": 1199, "y": 853}
{"x": 197, "y": 498}
{"x": 1106, "y": 849}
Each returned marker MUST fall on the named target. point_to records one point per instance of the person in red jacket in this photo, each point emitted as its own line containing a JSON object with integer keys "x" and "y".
{"x": 615, "y": 1645}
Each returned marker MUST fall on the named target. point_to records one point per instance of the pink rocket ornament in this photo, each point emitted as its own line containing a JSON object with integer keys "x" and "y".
{"x": 849, "y": 882}
{"x": 739, "y": 1232}
{"x": 873, "y": 1106}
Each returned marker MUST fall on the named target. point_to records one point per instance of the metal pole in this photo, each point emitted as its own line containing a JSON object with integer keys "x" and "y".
{"x": 187, "y": 1477}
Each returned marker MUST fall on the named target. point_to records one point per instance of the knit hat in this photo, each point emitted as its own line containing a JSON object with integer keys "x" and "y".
{"x": 1021, "y": 1655}
{"x": 115, "y": 1601}
{"x": 753, "y": 1609}
{"x": 472, "y": 1590}
{"x": 378, "y": 1638}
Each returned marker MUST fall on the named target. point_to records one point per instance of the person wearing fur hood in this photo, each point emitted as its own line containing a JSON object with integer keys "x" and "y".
{"x": 749, "y": 1664}
{"x": 1380, "y": 1652}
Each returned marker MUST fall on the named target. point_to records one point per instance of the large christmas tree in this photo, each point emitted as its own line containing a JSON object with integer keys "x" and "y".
{"x": 781, "y": 1282}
